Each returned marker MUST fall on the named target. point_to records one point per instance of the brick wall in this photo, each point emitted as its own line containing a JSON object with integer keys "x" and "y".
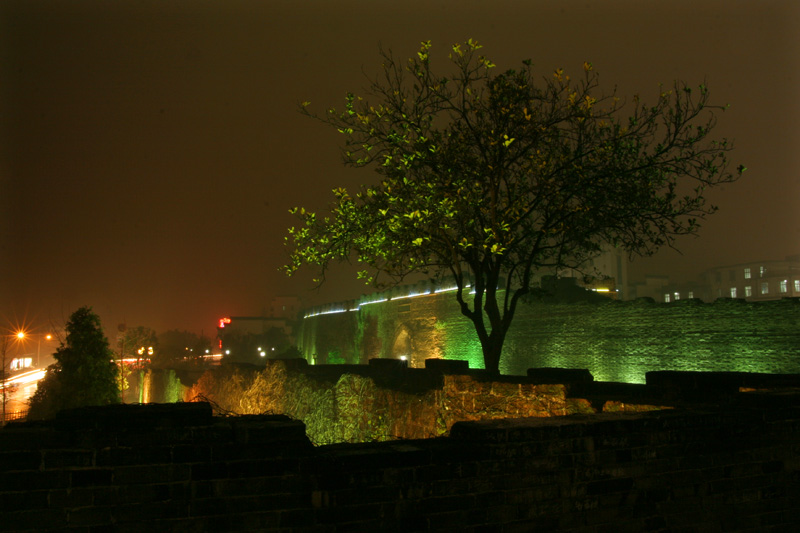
{"x": 615, "y": 341}
{"x": 733, "y": 467}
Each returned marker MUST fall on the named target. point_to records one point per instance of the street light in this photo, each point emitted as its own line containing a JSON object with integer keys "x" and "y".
{"x": 4, "y": 367}
{"x": 21, "y": 335}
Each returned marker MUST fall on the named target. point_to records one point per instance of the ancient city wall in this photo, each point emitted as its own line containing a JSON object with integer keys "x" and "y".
{"x": 177, "y": 468}
{"x": 616, "y": 341}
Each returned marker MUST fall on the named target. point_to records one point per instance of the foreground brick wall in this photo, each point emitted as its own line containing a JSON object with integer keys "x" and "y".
{"x": 176, "y": 468}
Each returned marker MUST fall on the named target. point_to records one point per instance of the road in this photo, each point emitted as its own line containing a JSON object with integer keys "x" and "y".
{"x": 19, "y": 388}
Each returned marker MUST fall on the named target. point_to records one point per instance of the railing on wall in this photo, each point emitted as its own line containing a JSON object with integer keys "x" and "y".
{"x": 401, "y": 292}
{"x": 423, "y": 288}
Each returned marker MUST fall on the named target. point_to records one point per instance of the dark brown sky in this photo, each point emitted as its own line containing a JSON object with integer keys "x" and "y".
{"x": 151, "y": 149}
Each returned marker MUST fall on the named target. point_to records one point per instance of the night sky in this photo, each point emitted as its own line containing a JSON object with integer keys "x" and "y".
{"x": 151, "y": 149}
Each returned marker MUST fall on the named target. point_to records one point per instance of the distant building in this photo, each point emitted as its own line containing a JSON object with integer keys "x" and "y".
{"x": 664, "y": 289}
{"x": 755, "y": 280}
{"x": 752, "y": 281}
{"x": 282, "y": 314}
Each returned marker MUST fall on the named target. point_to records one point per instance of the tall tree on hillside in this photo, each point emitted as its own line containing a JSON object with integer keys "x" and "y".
{"x": 84, "y": 373}
{"x": 488, "y": 177}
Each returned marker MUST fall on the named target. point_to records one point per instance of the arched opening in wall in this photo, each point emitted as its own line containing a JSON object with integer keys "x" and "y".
{"x": 402, "y": 347}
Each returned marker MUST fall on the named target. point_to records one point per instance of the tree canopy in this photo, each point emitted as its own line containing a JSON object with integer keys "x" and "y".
{"x": 491, "y": 177}
{"x": 84, "y": 373}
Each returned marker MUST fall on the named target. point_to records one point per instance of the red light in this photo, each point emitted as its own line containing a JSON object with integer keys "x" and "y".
{"x": 223, "y": 321}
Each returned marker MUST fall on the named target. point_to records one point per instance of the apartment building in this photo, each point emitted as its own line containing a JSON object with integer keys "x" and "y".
{"x": 755, "y": 280}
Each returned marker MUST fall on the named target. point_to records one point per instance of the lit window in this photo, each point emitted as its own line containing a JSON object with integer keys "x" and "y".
{"x": 784, "y": 287}
{"x": 691, "y": 294}
{"x": 747, "y": 273}
{"x": 677, "y": 296}
{"x": 764, "y": 287}
{"x": 666, "y": 298}
{"x": 797, "y": 285}
{"x": 762, "y": 270}
{"x": 733, "y": 292}
{"x": 748, "y": 291}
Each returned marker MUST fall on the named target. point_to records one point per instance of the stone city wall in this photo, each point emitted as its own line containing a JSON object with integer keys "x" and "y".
{"x": 615, "y": 340}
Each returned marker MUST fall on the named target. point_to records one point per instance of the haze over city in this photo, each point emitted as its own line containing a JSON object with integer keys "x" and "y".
{"x": 152, "y": 150}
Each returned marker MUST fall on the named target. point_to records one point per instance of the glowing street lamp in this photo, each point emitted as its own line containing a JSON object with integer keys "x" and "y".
{"x": 21, "y": 335}
{"x": 4, "y": 367}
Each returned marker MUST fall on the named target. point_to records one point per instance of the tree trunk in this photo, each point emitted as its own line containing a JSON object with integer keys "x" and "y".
{"x": 492, "y": 350}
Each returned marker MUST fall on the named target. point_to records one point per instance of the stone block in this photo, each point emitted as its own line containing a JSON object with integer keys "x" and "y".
{"x": 93, "y": 477}
{"x": 129, "y": 416}
{"x": 560, "y": 375}
{"x": 34, "y": 520}
{"x": 68, "y": 458}
{"x": 388, "y": 365}
{"x": 20, "y": 460}
{"x": 447, "y": 366}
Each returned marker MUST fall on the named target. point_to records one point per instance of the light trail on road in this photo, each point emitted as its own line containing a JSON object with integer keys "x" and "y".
{"x": 25, "y": 378}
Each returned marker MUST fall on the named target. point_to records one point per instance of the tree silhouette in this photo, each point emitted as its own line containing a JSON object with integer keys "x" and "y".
{"x": 84, "y": 373}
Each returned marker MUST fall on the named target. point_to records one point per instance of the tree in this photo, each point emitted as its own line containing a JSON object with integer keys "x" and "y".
{"x": 84, "y": 373}
{"x": 491, "y": 178}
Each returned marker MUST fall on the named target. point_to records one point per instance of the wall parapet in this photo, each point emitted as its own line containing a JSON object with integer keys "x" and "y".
{"x": 175, "y": 467}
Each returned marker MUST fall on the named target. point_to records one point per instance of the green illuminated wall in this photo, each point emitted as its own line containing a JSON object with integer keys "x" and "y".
{"x": 616, "y": 341}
